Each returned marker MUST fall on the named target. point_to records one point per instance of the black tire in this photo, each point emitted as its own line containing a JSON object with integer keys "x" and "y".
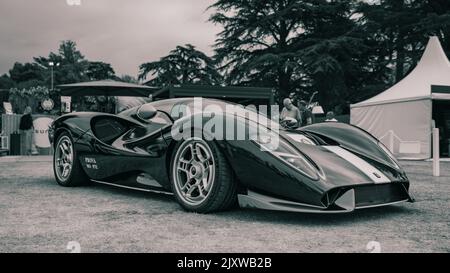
{"x": 223, "y": 192}
{"x": 76, "y": 175}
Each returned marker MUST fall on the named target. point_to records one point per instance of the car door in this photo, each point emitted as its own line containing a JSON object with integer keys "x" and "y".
{"x": 125, "y": 149}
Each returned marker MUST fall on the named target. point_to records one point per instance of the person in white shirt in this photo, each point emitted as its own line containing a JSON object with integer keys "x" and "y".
{"x": 290, "y": 115}
{"x": 330, "y": 117}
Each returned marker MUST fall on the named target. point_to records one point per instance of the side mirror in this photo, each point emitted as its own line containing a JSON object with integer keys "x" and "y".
{"x": 146, "y": 112}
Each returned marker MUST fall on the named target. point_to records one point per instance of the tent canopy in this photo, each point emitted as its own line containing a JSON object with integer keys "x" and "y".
{"x": 106, "y": 88}
{"x": 428, "y": 80}
{"x": 401, "y": 117}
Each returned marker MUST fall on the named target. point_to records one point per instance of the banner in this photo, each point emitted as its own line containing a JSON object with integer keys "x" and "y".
{"x": 41, "y": 125}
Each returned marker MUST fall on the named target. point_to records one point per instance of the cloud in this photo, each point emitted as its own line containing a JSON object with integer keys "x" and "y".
{"x": 123, "y": 33}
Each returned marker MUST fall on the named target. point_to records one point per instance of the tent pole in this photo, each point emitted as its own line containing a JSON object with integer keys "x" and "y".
{"x": 391, "y": 141}
{"x": 436, "y": 169}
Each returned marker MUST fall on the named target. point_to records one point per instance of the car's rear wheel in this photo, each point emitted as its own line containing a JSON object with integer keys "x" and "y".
{"x": 66, "y": 166}
{"x": 201, "y": 178}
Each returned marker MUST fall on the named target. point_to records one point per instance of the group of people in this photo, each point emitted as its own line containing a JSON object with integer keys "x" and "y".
{"x": 294, "y": 117}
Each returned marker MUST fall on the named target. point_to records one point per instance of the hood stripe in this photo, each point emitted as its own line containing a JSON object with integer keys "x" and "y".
{"x": 370, "y": 171}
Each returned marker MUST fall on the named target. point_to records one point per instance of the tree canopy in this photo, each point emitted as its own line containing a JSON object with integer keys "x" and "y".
{"x": 296, "y": 46}
{"x": 184, "y": 64}
{"x": 27, "y": 82}
{"x": 396, "y": 33}
{"x": 99, "y": 71}
{"x": 345, "y": 50}
{"x": 69, "y": 66}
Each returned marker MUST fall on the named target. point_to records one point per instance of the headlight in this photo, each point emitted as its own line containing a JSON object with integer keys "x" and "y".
{"x": 390, "y": 155}
{"x": 288, "y": 154}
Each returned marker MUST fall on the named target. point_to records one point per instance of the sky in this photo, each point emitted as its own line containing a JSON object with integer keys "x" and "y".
{"x": 122, "y": 33}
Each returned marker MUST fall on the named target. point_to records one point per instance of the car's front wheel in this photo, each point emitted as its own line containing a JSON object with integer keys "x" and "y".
{"x": 66, "y": 166}
{"x": 201, "y": 178}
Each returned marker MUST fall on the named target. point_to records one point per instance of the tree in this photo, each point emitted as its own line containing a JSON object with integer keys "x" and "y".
{"x": 72, "y": 64}
{"x": 23, "y": 97}
{"x": 292, "y": 45}
{"x": 256, "y": 46}
{"x": 184, "y": 64}
{"x": 6, "y": 82}
{"x": 73, "y": 67}
{"x": 100, "y": 71}
{"x": 332, "y": 51}
{"x": 129, "y": 79}
{"x": 397, "y": 32}
{"x": 25, "y": 72}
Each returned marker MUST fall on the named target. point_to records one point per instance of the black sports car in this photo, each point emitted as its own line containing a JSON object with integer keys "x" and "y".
{"x": 324, "y": 168}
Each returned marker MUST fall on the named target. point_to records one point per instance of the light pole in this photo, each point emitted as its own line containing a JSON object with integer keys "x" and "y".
{"x": 52, "y": 64}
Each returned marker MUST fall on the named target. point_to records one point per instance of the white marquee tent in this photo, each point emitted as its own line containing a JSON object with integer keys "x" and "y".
{"x": 401, "y": 117}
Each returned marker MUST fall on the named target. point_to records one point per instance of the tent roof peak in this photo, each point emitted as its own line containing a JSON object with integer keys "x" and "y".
{"x": 432, "y": 69}
{"x": 434, "y": 55}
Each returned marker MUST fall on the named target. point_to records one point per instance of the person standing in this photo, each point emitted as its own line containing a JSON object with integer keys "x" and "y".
{"x": 26, "y": 130}
{"x": 290, "y": 113}
{"x": 306, "y": 115}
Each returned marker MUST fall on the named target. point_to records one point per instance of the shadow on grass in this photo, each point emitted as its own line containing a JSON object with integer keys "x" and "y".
{"x": 278, "y": 217}
{"x": 160, "y": 197}
{"x": 281, "y": 217}
{"x": 263, "y": 216}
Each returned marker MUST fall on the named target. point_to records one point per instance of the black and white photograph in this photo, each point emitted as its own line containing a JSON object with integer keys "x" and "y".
{"x": 225, "y": 127}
